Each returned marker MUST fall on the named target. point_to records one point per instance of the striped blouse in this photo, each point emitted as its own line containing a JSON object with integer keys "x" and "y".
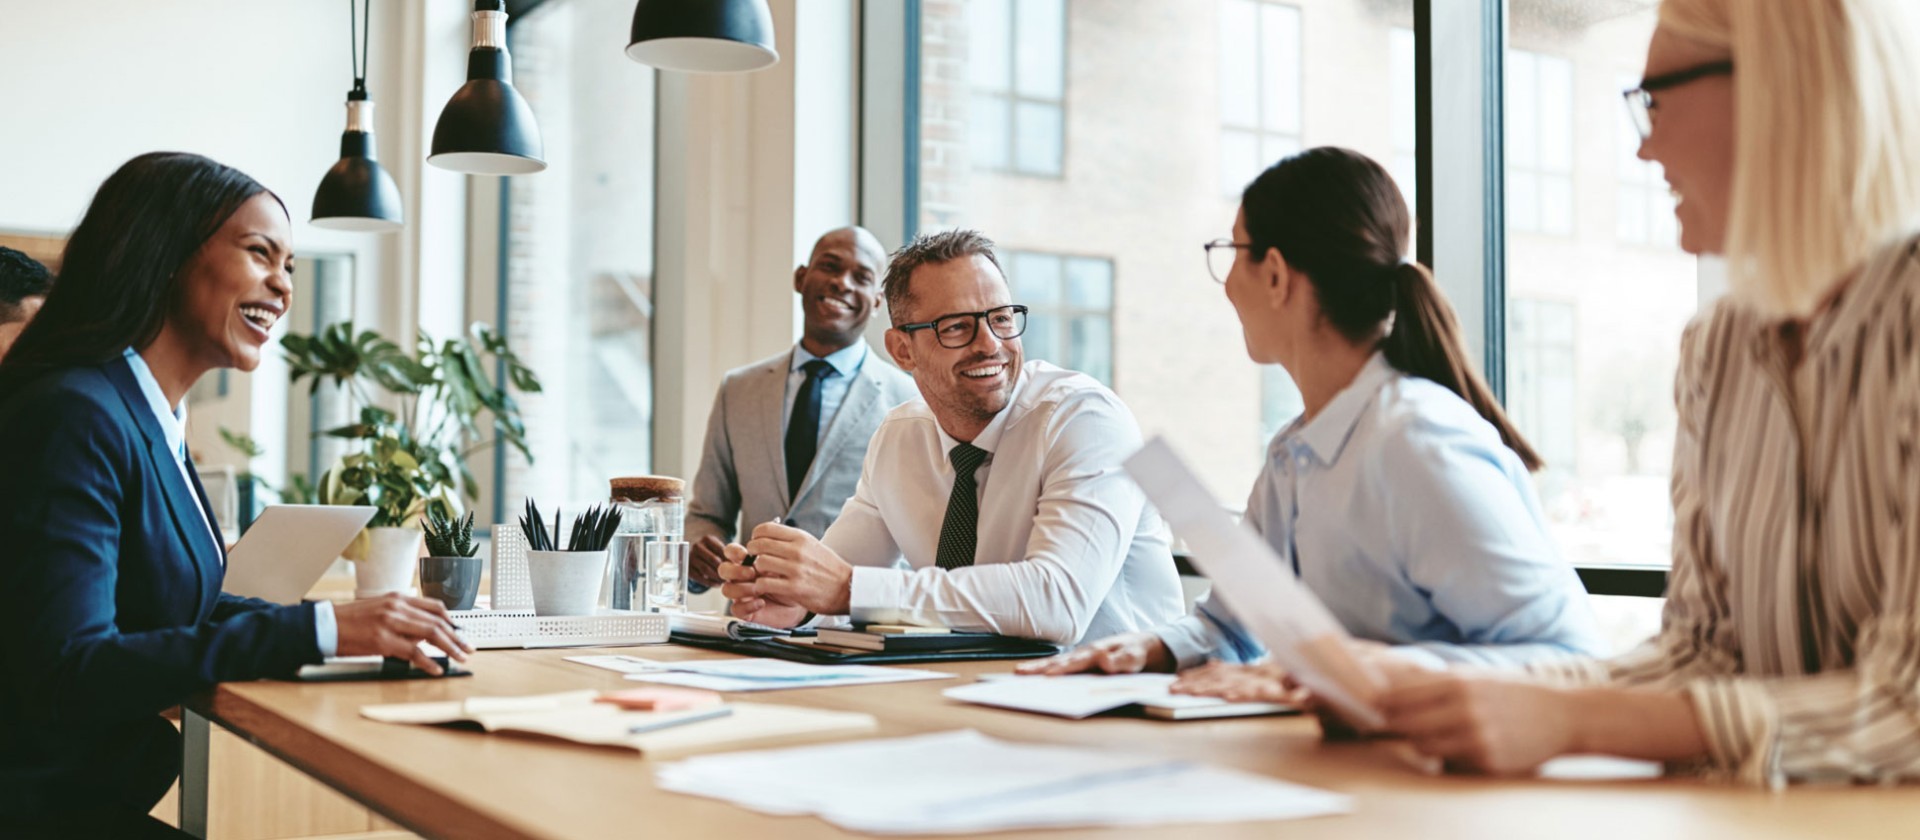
{"x": 1792, "y": 619}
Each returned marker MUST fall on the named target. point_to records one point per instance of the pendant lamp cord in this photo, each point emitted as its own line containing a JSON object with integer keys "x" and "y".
{"x": 360, "y": 21}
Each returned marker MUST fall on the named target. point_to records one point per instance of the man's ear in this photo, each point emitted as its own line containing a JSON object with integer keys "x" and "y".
{"x": 799, "y": 274}
{"x": 900, "y": 347}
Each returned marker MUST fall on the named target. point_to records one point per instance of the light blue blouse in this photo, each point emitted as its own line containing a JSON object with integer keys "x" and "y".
{"x": 1402, "y": 510}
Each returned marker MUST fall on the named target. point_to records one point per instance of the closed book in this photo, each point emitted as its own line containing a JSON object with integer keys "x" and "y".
{"x": 913, "y": 641}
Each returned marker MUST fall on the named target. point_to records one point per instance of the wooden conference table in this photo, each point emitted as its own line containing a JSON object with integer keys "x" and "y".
{"x": 447, "y": 783}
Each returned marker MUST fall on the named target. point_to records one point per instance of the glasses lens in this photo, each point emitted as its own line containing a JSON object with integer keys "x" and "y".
{"x": 1220, "y": 260}
{"x": 1637, "y": 109}
{"x": 955, "y": 330}
{"x": 1007, "y": 322}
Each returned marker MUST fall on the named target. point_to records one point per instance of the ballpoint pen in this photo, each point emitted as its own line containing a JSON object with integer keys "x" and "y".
{"x": 655, "y": 726}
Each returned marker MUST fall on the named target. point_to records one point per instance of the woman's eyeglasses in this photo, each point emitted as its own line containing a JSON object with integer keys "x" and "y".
{"x": 1640, "y": 104}
{"x": 1220, "y": 256}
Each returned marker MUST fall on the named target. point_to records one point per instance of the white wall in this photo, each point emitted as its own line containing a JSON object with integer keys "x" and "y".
{"x": 260, "y": 86}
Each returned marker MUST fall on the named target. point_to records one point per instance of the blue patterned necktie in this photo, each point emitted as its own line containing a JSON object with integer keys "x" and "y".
{"x": 803, "y": 428}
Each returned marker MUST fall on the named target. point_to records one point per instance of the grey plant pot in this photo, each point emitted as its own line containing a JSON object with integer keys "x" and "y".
{"x": 454, "y": 581}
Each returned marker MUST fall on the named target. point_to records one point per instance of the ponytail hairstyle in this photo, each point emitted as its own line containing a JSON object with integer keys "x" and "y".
{"x": 1336, "y": 216}
{"x": 118, "y": 275}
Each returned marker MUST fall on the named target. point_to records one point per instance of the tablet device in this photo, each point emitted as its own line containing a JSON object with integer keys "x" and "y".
{"x": 289, "y": 547}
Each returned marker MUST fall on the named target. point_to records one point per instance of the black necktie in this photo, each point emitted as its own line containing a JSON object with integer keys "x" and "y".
{"x": 959, "y": 530}
{"x": 803, "y": 428}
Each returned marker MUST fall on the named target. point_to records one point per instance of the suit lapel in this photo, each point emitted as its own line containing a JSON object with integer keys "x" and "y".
{"x": 769, "y": 402}
{"x": 862, "y": 400}
{"x": 180, "y": 498}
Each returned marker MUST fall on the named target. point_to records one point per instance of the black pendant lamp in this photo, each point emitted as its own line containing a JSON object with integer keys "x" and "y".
{"x": 487, "y": 127}
{"x": 357, "y": 193}
{"x": 703, "y": 36}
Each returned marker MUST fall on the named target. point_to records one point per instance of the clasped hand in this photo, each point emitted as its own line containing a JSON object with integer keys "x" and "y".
{"x": 792, "y": 574}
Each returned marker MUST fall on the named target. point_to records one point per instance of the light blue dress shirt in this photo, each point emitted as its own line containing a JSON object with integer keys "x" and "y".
{"x": 173, "y": 425}
{"x": 846, "y": 363}
{"x": 1401, "y": 509}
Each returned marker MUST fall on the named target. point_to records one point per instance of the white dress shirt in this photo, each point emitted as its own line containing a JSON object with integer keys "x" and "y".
{"x": 1068, "y": 547}
{"x": 173, "y": 424}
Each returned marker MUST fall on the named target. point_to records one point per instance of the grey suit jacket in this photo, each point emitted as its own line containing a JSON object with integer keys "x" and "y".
{"x": 743, "y": 468}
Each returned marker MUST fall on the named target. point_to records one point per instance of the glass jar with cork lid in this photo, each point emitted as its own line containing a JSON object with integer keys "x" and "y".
{"x": 640, "y": 576}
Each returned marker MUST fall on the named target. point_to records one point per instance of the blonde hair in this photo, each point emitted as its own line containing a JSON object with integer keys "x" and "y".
{"x": 1827, "y": 115}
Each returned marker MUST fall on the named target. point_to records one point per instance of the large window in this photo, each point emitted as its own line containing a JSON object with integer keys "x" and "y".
{"x": 1070, "y": 309}
{"x": 1592, "y": 327}
{"x": 1174, "y": 107}
{"x": 1539, "y": 143}
{"x": 1016, "y": 65}
{"x": 577, "y": 295}
{"x": 1259, "y": 50}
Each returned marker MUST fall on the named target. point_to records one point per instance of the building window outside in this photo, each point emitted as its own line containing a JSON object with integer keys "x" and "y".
{"x": 1539, "y": 143}
{"x": 1017, "y": 69}
{"x": 577, "y": 302}
{"x": 1540, "y": 380}
{"x": 1069, "y": 304}
{"x": 1259, "y": 83}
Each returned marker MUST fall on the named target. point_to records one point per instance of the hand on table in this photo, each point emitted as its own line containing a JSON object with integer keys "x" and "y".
{"x": 703, "y": 567}
{"x": 1480, "y": 722}
{"x": 1126, "y": 653}
{"x": 740, "y": 579}
{"x": 1240, "y": 683}
{"x": 792, "y": 568}
{"x": 395, "y": 625}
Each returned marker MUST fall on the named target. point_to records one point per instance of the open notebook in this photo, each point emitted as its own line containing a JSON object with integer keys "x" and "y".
{"x": 574, "y": 716}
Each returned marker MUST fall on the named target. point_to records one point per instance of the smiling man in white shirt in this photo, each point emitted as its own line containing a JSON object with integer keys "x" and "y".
{"x": 995, "y": 503}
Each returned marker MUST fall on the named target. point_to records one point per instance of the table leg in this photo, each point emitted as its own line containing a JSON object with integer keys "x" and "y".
{"x": 197, "y": 731}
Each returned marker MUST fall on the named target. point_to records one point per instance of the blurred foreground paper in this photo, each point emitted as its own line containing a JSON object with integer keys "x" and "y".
{"x": 965, "y": 782}
{"x": 1299, "y": 632}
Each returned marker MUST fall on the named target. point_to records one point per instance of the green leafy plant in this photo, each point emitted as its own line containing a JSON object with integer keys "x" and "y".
{"x": 449, "y": 538}
{"x": 413, "y": 459}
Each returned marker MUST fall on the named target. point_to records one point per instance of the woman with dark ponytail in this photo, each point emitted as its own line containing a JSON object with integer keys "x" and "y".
{"x": 1401, "y": 494}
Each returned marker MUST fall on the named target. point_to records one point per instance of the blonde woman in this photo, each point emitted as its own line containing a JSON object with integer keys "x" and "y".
{"x": 1790, "y": 645}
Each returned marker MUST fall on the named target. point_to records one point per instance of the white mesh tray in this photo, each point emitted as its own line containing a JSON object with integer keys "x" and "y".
{"x": 512, "y": 588}
{"x": 494, "y": 629}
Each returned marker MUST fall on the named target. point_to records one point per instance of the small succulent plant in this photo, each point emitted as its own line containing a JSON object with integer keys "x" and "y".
{"x": 448, "y": 538}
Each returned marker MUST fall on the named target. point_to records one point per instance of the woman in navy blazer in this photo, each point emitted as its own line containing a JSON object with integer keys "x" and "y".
{"x": 110, "y": 567}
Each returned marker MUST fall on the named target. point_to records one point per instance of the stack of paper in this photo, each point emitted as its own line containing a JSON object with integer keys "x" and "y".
{"x": 752, "y": 674}
{"x": 1080, "y": 695}
{"x": 961, "y": 782}
{"x": 574, "y": 716}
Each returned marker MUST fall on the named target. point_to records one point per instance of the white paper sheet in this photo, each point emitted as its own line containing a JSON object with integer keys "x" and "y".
{"x": 752, "y": 674}
{"x": 965, "y": 782}
{"x": 1080, "y": 695}
{"x": 1299, "y": 632}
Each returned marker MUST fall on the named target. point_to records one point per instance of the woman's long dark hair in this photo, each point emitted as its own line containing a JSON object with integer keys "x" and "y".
{"x": 117, "y": 276}
{"x": 1336, "y": 216}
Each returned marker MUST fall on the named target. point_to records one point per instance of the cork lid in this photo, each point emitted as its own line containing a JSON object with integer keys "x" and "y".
{"x": 646, "y": 488}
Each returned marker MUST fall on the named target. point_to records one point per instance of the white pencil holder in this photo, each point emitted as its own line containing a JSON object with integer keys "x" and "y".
{"x": 566, "y": 582}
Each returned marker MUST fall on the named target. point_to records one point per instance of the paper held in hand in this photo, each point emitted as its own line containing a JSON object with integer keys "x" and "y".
{"x": 1299, "y": 632}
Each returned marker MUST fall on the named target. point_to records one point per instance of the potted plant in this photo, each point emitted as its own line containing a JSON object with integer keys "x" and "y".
{"x": 566, "y": 575}
{"x": 450, "y": 572}
{"x": 412, "y": 458}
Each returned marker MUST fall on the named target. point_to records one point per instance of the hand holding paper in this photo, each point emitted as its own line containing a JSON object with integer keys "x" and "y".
{"x": 1299, "y": 632}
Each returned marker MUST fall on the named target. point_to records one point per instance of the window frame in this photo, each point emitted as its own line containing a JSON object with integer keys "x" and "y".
{"x": 1261, "y": 134}
{"x": 1012, "y": 95}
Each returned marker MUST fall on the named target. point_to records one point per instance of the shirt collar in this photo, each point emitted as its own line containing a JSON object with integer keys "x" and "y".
{"x": 846, "y": 361}
{"x": 172, "y": 419}
{"x": 989, "y": 437}
{"x": 1326, "y": 434}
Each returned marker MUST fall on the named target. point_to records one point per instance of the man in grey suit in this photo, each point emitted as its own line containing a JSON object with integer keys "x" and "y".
{"x": 787, "y": 434}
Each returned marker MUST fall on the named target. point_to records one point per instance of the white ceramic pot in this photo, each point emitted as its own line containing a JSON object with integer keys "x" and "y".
{"x": 391, "y": 558}
{"x": 566, "y": 582}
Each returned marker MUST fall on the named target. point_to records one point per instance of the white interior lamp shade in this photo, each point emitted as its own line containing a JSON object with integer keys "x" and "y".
{"x": 487, "y": 128}
{"x": 703, "y": 36}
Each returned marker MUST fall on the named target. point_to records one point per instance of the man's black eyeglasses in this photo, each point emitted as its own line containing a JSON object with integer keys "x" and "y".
{"x": 960, "y": 328}
{"x": 1640, "y": 100}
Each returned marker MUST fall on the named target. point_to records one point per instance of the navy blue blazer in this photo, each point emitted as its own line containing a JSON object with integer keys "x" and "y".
{"x": 110, "y": 602}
